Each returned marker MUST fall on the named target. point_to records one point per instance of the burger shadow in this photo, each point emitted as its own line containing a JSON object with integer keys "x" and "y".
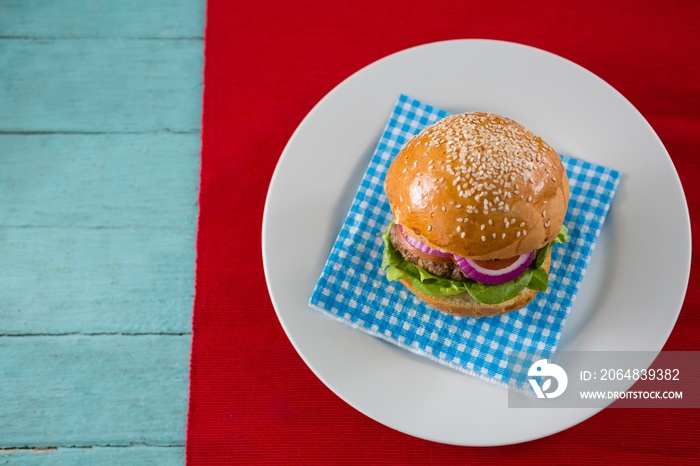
{"x": 596, "y": 285}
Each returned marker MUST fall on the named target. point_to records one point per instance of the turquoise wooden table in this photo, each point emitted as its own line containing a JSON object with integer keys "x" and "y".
{"x": 100, "y": 105}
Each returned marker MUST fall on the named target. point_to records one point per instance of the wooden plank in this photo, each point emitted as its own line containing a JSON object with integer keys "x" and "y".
{"x": 95, "y": 280}
{"x": 102, "y": 18}
{"x": 106, "y": 85}
{"x": 97, "y": 233}
{"x": 96, "y": 228}
{"x": 96, "y": 456}
{"x": 110, "y": 180}
{"x": 93, "y": 391}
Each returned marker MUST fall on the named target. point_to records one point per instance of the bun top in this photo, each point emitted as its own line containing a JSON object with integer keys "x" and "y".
{"x": 479, "y": 185}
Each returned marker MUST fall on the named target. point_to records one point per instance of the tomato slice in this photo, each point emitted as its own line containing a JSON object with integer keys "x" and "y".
{"x": 497, "y": 264}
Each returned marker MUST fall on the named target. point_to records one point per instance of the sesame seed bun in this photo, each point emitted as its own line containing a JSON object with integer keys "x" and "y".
{"x": 479, "y": 185}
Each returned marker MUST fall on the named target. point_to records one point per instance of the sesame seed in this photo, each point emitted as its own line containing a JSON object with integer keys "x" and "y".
{"x": 462, "y": 235}
{"x": 544, "y": 213}
{"x": 490, "y": 222}
{"x": 459, "y": 228}
{"x": 476, "y": 145}
{"x": 483, "y": 238}
{"x": 458, "y": 206}
{"x": 444, "y": 209}
{"x": 522, "y": 224}
{"x": 482, "y": 227}
{"x": 517, "y": 235}
{"x": 529, "y": 199}
{"x": 430, "y": 227}
{"x": 524, "y": 233}
{"x": 547, "y": 223}
{"x": 493, "y": 235}
{"x": 503, "y": 236}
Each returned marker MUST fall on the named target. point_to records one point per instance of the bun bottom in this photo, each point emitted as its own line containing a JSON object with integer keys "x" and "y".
{"x": 465, "y": 306}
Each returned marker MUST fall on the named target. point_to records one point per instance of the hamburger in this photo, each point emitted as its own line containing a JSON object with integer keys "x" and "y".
{"x": 478, "y": 201}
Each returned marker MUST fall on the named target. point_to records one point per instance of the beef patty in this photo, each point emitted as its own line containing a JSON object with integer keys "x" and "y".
{"x": 441, "y": 269}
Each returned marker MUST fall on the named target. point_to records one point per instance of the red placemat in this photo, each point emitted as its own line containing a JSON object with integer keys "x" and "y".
{"x": 252, "y": 399}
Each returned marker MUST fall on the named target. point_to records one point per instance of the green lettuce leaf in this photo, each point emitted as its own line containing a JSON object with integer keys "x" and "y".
{"x": 563, "y": 235}
{"x": 541, "y": 255}
{"x": 539, "y": 280}
{"x": 496, "y": 294}
{"x": 534, "y": 277}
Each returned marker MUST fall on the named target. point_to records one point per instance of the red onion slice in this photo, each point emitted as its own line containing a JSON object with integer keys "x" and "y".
{"x": 423, "y": 250}
{"x": 494, "y": 277}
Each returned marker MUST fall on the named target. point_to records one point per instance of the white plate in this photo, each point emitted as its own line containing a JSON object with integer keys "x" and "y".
{"x": 629, "y": 300}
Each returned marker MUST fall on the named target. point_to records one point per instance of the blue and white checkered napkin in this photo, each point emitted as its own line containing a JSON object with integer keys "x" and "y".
{"x": 354, "y": 289}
